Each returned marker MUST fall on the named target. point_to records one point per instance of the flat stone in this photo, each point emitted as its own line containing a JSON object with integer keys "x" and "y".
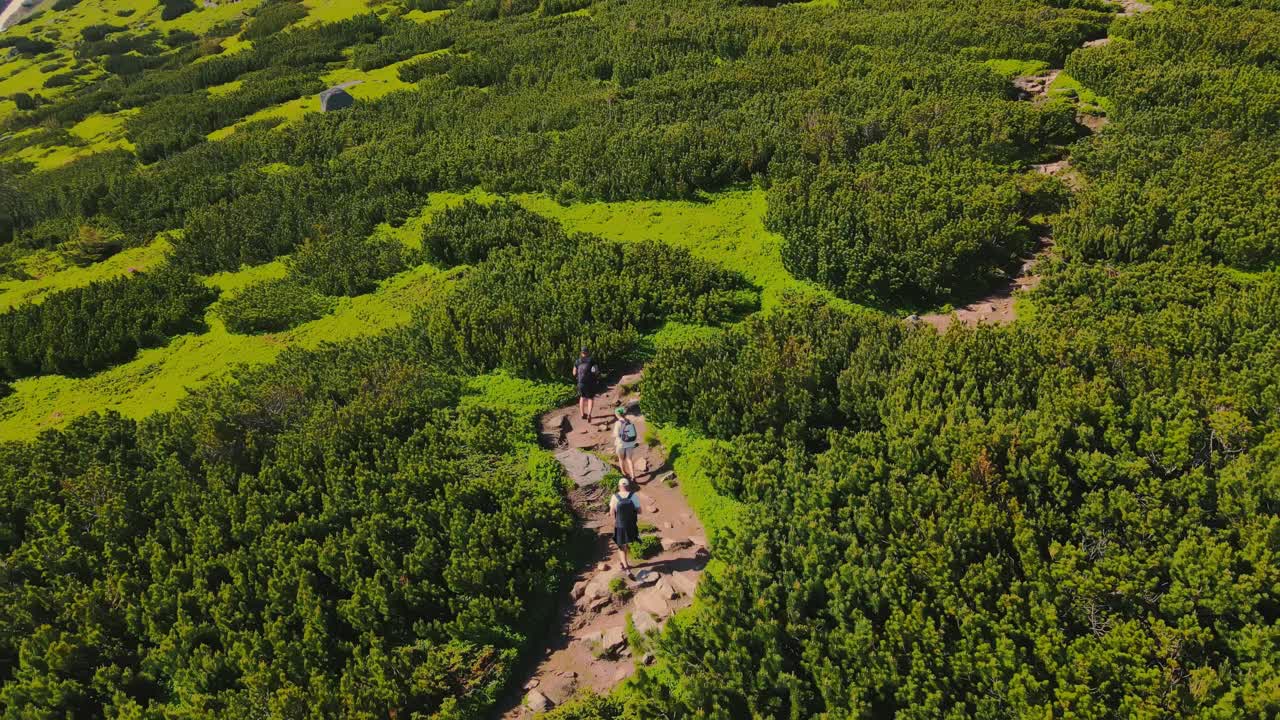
{"x": 583, "y": 468}
{"x": 668, "y": 526}
{"x": 538, "y": 702}
{"x": 698, "y": 540}
{"x": 645, "y": 578}
{"x": 531, "y": 684}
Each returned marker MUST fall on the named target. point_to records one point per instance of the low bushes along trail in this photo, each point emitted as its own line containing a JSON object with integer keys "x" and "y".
{"x": 998, "y": 307}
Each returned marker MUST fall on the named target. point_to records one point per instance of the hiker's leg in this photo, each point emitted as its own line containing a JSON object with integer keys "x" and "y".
{"x": 622, "y": 557}
{"x": 591, "y": 402}
{"x": 628, "y": 456}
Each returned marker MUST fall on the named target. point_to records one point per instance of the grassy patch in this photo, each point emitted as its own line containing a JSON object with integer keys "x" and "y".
{"x": 717, "y": 512}
{"x": 158, "y": 378}
{"x": 51, "y": 273}
{"x": 1064, "y": 86}
{"x": 727, "y": 229}
{"x": 1017, "y": 68}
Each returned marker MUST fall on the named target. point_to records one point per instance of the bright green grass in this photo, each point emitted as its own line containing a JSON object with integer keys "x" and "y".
{"x": 1090, "y": 102}
{"x": 726, "y": 229}
{"x": 410, "y": 233}
{"x": 225, "y": 88}
{"x": 158, "y": 378}
{"x": 100, "y": 133}
{"x": 1017, "y": 68}
{"x": 231, "y": 284}
{"x": 52, "y": 274}
{"x": 424, "y": 16}
{"x": 373, "y": 84}
{"x": 521, "y": 398}
{"x": 691, "y": 451}
{"x": 326, "y": 11}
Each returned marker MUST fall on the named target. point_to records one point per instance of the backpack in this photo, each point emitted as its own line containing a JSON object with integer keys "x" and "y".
{"x": 628, "y": 433}
{"x": 626, "y": 512}
{"x": 585, "y": 371}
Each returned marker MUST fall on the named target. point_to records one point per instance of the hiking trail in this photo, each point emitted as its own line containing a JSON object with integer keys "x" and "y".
{"x": 998, "y": 307}
{"x": 588, "y": 648}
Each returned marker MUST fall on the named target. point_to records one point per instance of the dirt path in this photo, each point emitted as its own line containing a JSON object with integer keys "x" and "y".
{"x": 998, "y": 307}
{"x": 589, "y": 649}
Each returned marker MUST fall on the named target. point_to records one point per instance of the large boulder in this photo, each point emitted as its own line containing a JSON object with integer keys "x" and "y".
{"x": 655, "y": 601}
{"x": 537, "y": 702}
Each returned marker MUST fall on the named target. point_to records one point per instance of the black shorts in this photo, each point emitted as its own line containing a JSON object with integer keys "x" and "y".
{"x": 586, "y": 391}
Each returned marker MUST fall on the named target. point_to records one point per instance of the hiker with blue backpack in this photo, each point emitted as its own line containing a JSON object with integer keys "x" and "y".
{"x": 625, "y": 440}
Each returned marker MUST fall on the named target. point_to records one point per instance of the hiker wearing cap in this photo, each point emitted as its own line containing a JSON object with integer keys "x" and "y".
{"x": 624, "y": 506}
{"x": 625, "y": 440}
{"x": 585, "y": 372}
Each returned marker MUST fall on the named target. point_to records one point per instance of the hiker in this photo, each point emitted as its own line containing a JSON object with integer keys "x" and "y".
{"x": 625, "y": 441}
{"x": 624, "y": 506}
{"x": 585, "y": 372}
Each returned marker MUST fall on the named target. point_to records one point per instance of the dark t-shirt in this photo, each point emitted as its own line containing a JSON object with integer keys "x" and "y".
{"x": 583, "y": 371}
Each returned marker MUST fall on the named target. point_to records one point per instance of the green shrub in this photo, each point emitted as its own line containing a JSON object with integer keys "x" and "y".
{"x": 525, "y": 308}
{"x": 644, "y": 548}
{"x": 466, "y": 234}
{"x": 273, "y": 17}
{"x": 273, "y": 306}
{"x": 344, "y": 264}
{"x": 80, "y": 331}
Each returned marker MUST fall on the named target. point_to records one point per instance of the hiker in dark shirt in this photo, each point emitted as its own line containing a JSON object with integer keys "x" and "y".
{"x": 624, "y": 506}
{"x": 585, "y": 372}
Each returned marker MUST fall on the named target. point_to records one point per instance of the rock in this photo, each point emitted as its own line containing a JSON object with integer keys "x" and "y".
{"x": 613, "y": 639}
{"x": 531, "y": 684}
{"x": 578, "y": 589}
{"x": 648, "y": 659}
{"x": 666, "y": 477}
{"x": 537, "y": 702}
{"x": 644, "y": 622}
{"x": 698, "y": 540}
{"x": 569, "y": 675}
{"x": 685, "y": 582}
{"x": 645, "y": 578}
{"x": 583, "y": 468}
{"x": 668, "y": 526}
{"x": 663, "y": 588}
{"x": 671, "y": 544}
{"x": 653, "y": 601}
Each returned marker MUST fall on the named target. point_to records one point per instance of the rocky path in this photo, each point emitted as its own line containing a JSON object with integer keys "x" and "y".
{"x": 589, "y": 649}
{"x": 998, "y": 307}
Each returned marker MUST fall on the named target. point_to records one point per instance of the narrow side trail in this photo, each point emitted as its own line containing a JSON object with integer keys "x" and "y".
{"x": 588, "y": 648}
{"x": 998, "y": 307}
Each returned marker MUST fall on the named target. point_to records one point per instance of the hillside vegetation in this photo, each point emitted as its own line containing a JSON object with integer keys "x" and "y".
{"x": 271, "y": 375}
